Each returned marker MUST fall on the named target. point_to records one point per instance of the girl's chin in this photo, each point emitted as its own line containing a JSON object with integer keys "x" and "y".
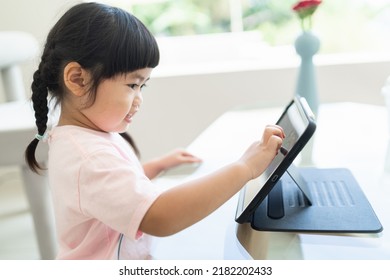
{"x": 119, "y": 129}
{"x": 124, "y": 128}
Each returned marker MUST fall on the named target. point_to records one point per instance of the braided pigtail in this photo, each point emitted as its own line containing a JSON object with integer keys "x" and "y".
{"x": 39, "y": 99}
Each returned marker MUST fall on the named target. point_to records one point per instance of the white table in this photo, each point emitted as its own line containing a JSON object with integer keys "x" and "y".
{"x": 348, "y": 135}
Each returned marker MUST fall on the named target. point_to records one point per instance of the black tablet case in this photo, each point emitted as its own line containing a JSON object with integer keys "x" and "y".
{"x": 316, "y": 200}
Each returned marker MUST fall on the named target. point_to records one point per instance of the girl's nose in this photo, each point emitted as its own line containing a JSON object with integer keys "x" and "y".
{"x": 137, "y": 101}
{"x": 140, "y": 99}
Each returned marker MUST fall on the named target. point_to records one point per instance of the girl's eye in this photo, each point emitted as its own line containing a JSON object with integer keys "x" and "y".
{"x": 135, "y": 86}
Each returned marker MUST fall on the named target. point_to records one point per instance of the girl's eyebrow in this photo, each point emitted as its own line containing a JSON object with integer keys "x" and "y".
{"x": 138, "y": 76}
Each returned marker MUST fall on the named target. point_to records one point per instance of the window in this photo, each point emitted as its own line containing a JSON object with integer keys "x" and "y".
{"x": 343, "y": 26}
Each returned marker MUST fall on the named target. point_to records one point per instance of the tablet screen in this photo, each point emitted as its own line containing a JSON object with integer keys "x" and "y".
{"x": 298, "y": 125}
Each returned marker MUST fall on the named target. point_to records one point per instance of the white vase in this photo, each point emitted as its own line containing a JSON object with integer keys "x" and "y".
{"x": 307, "y": 45}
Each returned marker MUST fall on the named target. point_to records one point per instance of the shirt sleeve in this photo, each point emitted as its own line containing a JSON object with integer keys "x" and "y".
{"x": 115, "y": 191}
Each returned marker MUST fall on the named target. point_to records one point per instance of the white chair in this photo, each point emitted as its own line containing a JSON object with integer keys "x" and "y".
{"x": 17, "y": 128}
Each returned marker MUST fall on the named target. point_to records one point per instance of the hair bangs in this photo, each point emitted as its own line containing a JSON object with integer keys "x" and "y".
{"x": 133, "y": 47}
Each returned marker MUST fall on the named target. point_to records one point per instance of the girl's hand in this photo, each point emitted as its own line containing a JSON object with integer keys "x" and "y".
{"x": 177, "y": 157}
{"x": 260, "y": 154}
{"x": 167, "y": 161}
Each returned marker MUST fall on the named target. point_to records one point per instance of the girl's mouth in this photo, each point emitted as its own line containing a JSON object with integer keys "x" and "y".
{"x": 129, "y": 118}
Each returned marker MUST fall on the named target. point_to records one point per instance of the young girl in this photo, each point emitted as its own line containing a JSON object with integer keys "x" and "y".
{"x": 95, "y": 63}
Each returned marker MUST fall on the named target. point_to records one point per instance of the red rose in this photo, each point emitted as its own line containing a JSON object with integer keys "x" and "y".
{"x": 306, "y": 4}
{"x": 305, "y": 9}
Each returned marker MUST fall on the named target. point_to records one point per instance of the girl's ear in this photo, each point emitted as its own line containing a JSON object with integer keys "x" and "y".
{"x": 76, "y": 78}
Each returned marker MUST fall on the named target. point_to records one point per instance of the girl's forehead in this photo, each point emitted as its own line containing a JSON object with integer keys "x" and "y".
{"x": 141, "y": 74}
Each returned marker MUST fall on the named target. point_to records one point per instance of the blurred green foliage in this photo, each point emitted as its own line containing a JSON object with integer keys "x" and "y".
{"x": 345, "y": 25}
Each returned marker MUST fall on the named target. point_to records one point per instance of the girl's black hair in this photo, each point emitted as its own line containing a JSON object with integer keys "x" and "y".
{"x": 104, "y": 40}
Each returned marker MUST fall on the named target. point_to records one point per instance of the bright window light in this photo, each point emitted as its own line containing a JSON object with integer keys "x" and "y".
{"x": 343, "y": 26}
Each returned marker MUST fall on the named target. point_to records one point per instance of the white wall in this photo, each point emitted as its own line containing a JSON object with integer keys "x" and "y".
{"x": 32, "y": 16}
{"x": 35, "y": 16}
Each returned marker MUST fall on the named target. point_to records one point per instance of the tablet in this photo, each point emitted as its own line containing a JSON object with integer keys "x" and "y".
{"x": 298, "y": 123}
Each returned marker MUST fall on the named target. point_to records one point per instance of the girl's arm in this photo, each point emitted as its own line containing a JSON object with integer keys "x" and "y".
{"x": 155, "y": 166}
{"x": 186, "y": 204}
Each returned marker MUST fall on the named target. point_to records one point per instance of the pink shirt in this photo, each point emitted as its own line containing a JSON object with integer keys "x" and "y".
{"x": 99, "y": 191}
